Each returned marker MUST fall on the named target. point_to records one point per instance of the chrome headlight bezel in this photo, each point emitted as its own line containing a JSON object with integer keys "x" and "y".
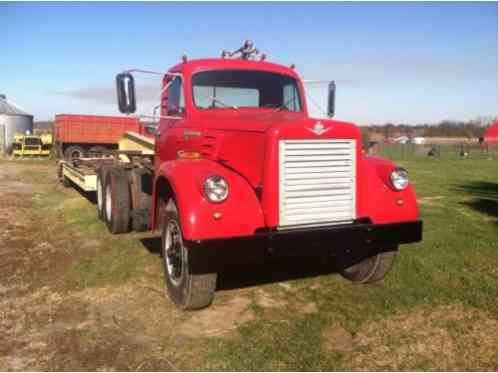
{"x": 399, "y": 178}
{"x": 216, "y": 189}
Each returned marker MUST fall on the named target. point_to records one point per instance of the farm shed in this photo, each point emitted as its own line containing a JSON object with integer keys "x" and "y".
{"x": 491, "y": 134}
{"x": 13, "y": 120}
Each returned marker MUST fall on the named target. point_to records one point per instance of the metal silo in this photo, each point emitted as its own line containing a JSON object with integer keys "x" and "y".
{"x": 13, "y": 120}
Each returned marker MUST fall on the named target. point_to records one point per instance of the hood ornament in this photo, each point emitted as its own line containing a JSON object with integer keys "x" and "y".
{"x": 319, "y": 129}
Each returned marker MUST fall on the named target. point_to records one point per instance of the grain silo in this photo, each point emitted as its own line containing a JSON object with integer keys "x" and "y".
{"x": 13, "y": 120}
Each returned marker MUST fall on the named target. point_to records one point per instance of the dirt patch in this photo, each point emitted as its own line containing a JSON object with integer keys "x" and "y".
{"x": 218, "y": 319}
{"x": 284, "y": 302}
{"x": 337, "y": 338}
{"x": 447, "y": 338}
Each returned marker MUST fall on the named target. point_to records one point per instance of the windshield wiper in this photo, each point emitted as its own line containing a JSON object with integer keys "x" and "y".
{"x": 214, "y": 99}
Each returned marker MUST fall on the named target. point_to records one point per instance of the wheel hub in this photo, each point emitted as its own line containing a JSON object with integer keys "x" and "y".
{"x": 174, "y": 252}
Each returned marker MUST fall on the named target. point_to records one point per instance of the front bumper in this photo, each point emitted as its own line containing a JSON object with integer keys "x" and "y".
{"x": 350, "y": 239}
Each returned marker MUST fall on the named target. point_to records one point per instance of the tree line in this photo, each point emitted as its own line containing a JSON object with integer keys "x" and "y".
{"x": 446, "y": 128}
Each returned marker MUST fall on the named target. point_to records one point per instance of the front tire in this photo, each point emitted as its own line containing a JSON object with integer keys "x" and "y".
{"x": 187, "y": 290}
{"x": 371, "y": 269}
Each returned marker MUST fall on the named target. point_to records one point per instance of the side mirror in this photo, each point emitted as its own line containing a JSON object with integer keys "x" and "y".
{"x": 331, "y": 100}
{"x": 125, "y": 86}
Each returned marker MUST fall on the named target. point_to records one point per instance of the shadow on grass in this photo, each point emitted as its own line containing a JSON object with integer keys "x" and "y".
{"x": 152, "y": 245}
{"x": 272, "y": 268}
{"x": 485, "y": 196}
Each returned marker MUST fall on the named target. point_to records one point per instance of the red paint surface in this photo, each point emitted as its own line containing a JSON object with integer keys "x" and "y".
{"x": 243, "y": 147}
{"x": 491, "y": 134}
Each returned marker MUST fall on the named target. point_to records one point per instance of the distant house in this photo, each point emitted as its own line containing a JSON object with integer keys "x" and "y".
{"x": 491, "y": 134}
{"x": 418, "y": 140}
{"x": 401, "y": 140}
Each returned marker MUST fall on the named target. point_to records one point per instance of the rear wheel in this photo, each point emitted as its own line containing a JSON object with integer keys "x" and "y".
{"x": 187, "y": 290}
{"x": 371, "y": 269}
{"x": 73, "y": 152}
{"x": 142, "y": 198}
{"x": 101, "y": 176}
{"x": 117, "y": 201}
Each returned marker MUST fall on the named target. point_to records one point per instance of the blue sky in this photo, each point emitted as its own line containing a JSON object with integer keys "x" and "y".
{"x": 410, "y": 63}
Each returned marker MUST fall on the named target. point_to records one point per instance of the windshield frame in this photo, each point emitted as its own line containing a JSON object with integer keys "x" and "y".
{"x": 296, "y": 82}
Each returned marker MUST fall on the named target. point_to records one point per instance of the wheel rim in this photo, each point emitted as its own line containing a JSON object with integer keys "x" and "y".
{"x": 108, "y": 202}
{"x": 99, "y": 194}
{"x": 174, "y": 252}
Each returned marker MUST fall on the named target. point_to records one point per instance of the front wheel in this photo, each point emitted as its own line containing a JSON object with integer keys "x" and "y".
{"x": 187, "y": 290}
{"x": 371, "y": 269}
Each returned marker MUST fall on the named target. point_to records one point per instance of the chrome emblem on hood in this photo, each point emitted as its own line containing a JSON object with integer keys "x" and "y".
{"x": 318, "y": 129}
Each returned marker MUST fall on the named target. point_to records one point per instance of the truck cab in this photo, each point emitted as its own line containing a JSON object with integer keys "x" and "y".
{"x": 241, "y": 172}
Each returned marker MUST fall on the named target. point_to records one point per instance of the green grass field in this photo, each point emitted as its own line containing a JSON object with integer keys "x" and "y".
{"x": 437, "y": 309}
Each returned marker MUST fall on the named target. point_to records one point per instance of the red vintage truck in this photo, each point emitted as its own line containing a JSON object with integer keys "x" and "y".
{"x": 240, "y": 171}
{"x": 77, "y": 136}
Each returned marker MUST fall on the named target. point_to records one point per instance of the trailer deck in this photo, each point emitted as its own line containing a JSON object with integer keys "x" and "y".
{"x": 134, "y": 150}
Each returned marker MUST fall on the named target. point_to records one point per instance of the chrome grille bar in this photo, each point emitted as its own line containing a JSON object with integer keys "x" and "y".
{"x": 317, "y": 182}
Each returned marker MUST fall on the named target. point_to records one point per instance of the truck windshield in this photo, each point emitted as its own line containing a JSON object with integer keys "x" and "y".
{"x": 245, "y": 89}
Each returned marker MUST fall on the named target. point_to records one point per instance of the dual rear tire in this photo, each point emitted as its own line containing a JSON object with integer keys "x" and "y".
{"x": 113, "y": 199}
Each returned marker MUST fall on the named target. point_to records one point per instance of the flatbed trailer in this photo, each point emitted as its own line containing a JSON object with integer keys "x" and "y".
{"x": 122, "y": 180}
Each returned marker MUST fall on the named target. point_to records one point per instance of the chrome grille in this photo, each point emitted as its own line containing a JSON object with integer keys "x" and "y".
{"x": 317, "y": 182}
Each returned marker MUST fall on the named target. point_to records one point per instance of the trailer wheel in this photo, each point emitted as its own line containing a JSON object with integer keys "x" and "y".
{"x": 97, "y": 151}
{"x": 73, "y": 152}
{"x": 371, "y": 269}
{"x": 117, "y": 201}
{"x": 187, "y": 290}
{"x": 102, "y": 173}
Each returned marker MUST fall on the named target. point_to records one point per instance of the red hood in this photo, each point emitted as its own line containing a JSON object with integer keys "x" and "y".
{"x": 242, "y": 141}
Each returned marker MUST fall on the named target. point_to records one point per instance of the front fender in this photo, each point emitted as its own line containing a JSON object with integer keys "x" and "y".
{"x": 377, "y": 200}
{"x": 241, "y": 212}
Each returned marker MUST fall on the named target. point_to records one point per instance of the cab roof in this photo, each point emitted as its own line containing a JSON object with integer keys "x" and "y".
{"x": 193, "y": 66}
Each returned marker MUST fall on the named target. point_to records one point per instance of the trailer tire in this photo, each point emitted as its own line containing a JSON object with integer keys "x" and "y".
{"x": 97, "y": 151}
{"x": 187, "y": 290}
{"x": 371, "y": 269}
{"x": 73, "y": 152}
{"x": 117, "y": 201}
{"x": 102, "y": 173}
{"x": 141, "y": 198}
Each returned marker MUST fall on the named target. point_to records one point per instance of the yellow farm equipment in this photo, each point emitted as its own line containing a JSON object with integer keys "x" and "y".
{"x": 32, "y": 145}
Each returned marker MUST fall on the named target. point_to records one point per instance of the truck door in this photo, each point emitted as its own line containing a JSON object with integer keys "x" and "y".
{"x": 169, "y": 136}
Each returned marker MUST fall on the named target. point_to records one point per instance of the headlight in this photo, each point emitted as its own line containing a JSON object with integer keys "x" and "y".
{"x": 216, "y": 188}
{"x": 399, "y": 178}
